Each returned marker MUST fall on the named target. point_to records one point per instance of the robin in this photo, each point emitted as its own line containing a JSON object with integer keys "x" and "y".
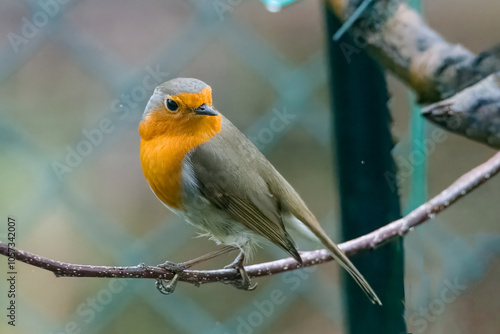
{"x": 201, "y": 167}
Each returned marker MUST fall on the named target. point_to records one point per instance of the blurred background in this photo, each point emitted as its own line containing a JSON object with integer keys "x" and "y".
{"x": 72, "y": 92}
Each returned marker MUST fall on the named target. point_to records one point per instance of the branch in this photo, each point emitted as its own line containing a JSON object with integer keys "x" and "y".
{"x": 473, "y": 113}
{"x": 399, "y": 39}
{"x": 402, "y": 42}
{"x": 400, "y": 227}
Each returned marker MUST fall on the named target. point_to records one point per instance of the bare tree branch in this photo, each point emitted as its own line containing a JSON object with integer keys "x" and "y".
{"x": 473, "y": 113}
{"x": 397, "y": 36}
{"x": 461, "y": 187}
{"x": 401, "y": 41}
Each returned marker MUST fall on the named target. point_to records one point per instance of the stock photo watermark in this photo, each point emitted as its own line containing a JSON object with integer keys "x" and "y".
{"x": 88, "y": 310}
{"x": 280, "y": 120}
{"x": 31, "y": 26}
{"x": 121, "y": 107}
{"x": 223, "y": 7}
{"x": 11, "y": 272}
{"x": 367, "y": 31}
{"x": 420, "y": 319}
{"x": 406, "y": 166}
{"x": 265, "y": 308}
{"x": 418, "y": 157}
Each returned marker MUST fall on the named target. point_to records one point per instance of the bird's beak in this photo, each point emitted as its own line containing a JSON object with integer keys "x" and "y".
{"x": 205, "y": 109}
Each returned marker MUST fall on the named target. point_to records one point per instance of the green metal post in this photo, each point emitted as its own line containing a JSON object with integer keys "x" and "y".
{"x": 363, "y": 143}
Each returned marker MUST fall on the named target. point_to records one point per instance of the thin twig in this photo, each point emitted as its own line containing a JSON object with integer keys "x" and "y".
{"x": 461, "y": 187}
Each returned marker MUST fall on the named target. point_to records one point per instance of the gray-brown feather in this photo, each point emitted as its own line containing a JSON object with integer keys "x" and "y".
{"x": 234, "y": 176}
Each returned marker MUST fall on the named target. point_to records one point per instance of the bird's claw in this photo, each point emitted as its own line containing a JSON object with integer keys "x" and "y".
{"x": 173, "y": 266}
{"x": 167, "y": 287}
{"x": 244, "y": 283}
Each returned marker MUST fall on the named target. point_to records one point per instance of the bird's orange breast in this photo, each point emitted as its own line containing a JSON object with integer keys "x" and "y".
{"x": 162, "y": 155}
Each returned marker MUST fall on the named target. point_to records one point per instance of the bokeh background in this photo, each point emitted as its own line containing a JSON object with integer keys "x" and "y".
{"x": 93, "y": 60}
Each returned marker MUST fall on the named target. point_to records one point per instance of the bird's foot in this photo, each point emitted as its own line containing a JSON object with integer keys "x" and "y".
{"x": 244, "y": 283}
{"x": 167, "y": 287}
{"x": 174, "y": 266}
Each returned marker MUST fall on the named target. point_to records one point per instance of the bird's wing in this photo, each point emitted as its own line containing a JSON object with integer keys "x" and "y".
{"x": 227, "y": 173}
{"x": 290, "y": 202}
{"x": 236, "y": 177}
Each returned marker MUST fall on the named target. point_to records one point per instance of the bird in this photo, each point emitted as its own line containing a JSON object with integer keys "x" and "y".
{"x": 202, "y": 168}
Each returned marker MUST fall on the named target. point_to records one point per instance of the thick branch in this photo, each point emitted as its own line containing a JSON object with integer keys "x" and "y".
{"x": 457, "y": 190}
{"x": 397, "y": 36}
{"x": 399, "y": 39}
{"x": 473, "y": 113}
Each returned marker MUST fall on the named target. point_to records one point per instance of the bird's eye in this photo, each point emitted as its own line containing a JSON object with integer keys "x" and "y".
{"x": 171, "y": 105}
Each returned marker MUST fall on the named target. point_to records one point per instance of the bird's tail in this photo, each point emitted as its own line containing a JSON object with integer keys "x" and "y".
{"x": 291, "y": 203}
{"x": 344, "y": 261}
{"x": 312, "y": 224}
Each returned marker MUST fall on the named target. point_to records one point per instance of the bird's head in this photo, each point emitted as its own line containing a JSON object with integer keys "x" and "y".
{"x": 179, "y": 106}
